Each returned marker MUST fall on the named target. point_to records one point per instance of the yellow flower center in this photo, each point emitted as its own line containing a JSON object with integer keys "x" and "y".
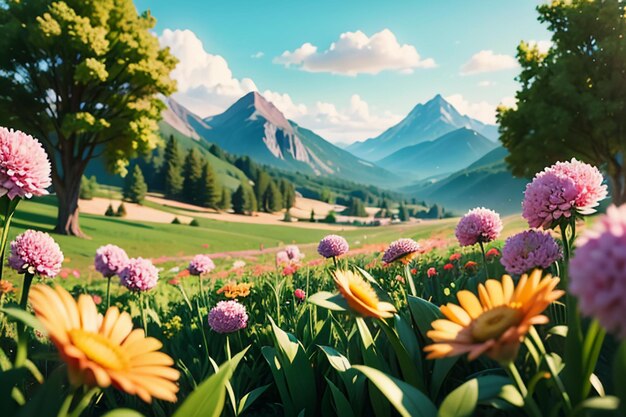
{"x": 363, "y": 291}
{"x": 99, "y": 349}
{"x": 493, "y": 323}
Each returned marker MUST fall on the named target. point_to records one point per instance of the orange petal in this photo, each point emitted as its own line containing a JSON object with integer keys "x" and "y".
{"x": 484, "y": 297}
{"x": 88, "y": 313}
{"x": 496, "y": 293}
{"x": 456, "y": 314}
{"x": 507, "y": 288}
{"x": 470, "y": 303}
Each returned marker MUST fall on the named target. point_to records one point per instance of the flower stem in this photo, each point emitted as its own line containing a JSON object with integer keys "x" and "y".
{"x": 22, "y": 334}
{"x": 409, "y": 277}
{"x": 144, "y": 320}
{"x": 108, "y": 292}
{"x": 9, "y": 210}
{"x": 482, "y": 249}
{"x": 83, "y": 403}
{"x": 529, "y": 403}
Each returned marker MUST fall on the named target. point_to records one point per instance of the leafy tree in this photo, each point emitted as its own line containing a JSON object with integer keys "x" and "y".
{"x": 356, "y": 208}
{"x": 225, "y": 200}
{"x": 209, "y": 192}
{"x": 571, "y": 101}
{"x": 287, "y": 216}
{"x": 172, "y": 169}
{"x": 135, "y": 188}
{"x": 403, "y": 212}
{"x": 176, "y": 221}
{"x": 330, "y": 217}
{"x": 272, "y": 199}
{"x": 88, "y": 187}
{"x": 84, "y": 78}
{"x": 121, "y": 211}
{"x": 239, "y": 200}
{"x": 192, "y": 173}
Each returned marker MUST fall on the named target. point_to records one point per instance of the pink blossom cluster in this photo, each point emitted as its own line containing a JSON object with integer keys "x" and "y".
{"x": 36, "y": 252}
{"x": 399, "y": 249}
{"x": 528, "y": 250}
{"x": 139, "y": 275}
{"x": 598, "y": 271}
{"x": 200, "y": 265}
{"x": 228, "y": 317}
{"x": 333, "y": 246}
{"x": 478, "y": 225}
{"x": 110, "y": 260}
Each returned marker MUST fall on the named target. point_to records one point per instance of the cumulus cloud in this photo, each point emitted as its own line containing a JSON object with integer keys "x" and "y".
{"x": 285, "y": 104}
{"x": 481, "y": 110}
{"x": 356, "y": 53}
{"x": 205, "y": 82}
{"x": 486, "y": 83}
{"x": 488, "y": 61}
{"x": 257, "y": 55}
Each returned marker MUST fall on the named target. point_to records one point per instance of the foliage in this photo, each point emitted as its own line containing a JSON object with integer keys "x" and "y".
{"x": 355, "y": 208}
{"x": 110, "y": 212}
{"x": 192, "y": 176}
{"x": 208, "y": 188}
{"x": 135, "y": 188}
{"x": 571, "y": 100}
{"x": 121, "y": 211}
{"x": 82, "y": 76}
{"x": 88, "y": 187}
{"x": 172, "y": 169}
{"x": 225, "y": 200}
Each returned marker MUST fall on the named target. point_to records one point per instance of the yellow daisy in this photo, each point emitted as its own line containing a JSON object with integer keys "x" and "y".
{"x": 495, "y": 322}
{"x": 360, "y": 295}
{"x": 103, "y": 351}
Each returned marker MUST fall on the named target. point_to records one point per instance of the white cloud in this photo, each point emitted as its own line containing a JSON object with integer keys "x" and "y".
{"x": 205, "y": 82}
{"x": 257, "y": 55}
{"x": 486, "y": 83}
{"x": 488, "y": 61}
{"x": 285, "y": 104}
{"x": 482, "y": 110}
{"x": 356, "y": 53}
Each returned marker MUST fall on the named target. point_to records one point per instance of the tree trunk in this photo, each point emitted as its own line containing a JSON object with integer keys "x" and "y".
{"x": 67, "y": 193}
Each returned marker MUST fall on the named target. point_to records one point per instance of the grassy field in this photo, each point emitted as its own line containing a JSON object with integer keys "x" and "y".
{"x": 154, "y": 240}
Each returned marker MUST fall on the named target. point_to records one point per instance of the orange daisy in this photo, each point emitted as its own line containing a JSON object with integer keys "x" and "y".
{"x": 495, "y": 322}
{"x": 103, "y": 351}
{"x": 360, "y": 295}
{"x": 234, "y": 290}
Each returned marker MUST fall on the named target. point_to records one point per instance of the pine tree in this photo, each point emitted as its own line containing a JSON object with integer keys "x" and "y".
{"x": 135, "y": 188}
{"x": 240, "y": 200}
{"x": 403, "y": 212}
{"x": 272, "y": 199}
{"x": 209, "y": 191}
{"x": 110, "y": 211}
{"x": 252, "y": 204}
{"x": 288, "y": 192}
{"x": 172, "y": 167}
{"x": 121, "y": 211}
{"x": 312, "y": 218}
{"x": 225, "y": 200}
{"x": 356, "y": 208}
{"x": 261, "y": 182}
{"x": 192, "y": 172}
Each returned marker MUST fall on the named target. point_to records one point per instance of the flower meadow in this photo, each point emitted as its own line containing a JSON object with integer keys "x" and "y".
{"x": 530, "y": 327}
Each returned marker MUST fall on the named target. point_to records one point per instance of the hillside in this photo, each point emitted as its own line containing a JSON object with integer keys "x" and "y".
{"x": 254, "y": 127}
{"x": 486, "y": 183}
{"x": 425, "y": 122}
{"x": 446, "y": 154}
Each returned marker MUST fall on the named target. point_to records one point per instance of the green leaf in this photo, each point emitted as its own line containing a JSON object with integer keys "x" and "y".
{"x": 407, "y": 363}
{"x": 25, "y": 317}
{"x": 208, "y": 399}
{"x": 342, "y": 405}
{"x": 619, "y": 376}
{"x": 247, "y": 400}
{"x": 608, "y": 403}
{"x": 423, "y": 313}
{"x": 406, "y": 399}
{"x": 328, "y": 300}
{"x": 8, "y": 381}
{"x": 558, "y": 331}
{"x": 441, "y": 369}
{"x": 269, "y": 353}
{"x": 461, "y": 402}
{"x": 123, "y": 412}
{"x": 47, "y": 400}
{"x": 336, "y": 359}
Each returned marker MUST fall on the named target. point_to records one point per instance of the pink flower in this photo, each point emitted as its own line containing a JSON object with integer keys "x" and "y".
{"x": 431, "y": 272}
{"x": 598, "y": 271}
{"x": 76, "y": 273}
{"x": 282, "y": 258}
{"x": 402, "y": 250}
{"x": 455, "y": 257}
{"x": 299, "y": 294}
{"x": 332, "y": 246}
{"x": 139, "y": 275}
{"x": 562, "y": 191}
{"x": 478, "y": 225}
{"x": 110, "y": 260}
{"x": 528, "y": 250}
{"x": 36, "y": 253}
{"x": 228, "y": 316}
{"x": 24, "y": 165}
{"x": 400, "y": 279}
{"x": 448, "y": 267}
{"x": 293, "y": 253}
{"x": 200, "y": 265}
{"x": 96, "y": 299}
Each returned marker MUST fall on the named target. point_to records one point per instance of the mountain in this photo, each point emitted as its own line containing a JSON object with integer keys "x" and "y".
{"x": 425, "y": 122}
{"x": 253, "y": 126}
{"x": 446, "y": 154}
{"x": 487, "y": 182}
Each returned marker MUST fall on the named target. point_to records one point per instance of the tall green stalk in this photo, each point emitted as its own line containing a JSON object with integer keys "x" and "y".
{"x": 409, "y": 278}
{"x": 22, "y": 334}
{"x": 8, "y": 212}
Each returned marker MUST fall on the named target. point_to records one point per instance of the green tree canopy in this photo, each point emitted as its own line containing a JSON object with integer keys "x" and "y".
{"x": 572, "y": 100}
{"x": 209, "y": 192}
{"x": 83, "y": 77}
{"x": 225, "y": 200}
{"x": 272, "y": 199}
{"x": 192, "y": 174}
{"x": 135, "y": 188}
{"x": 172, "y": 169}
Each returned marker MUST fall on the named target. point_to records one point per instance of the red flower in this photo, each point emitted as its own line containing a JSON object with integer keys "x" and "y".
{"x": 174, "y": 281}
{"x": 400, "y": 279}
{"x": 471, "y": 266}
{"x": 299, "y": 294}
{"x": 290, "y": 269}
{"x": 448, "y": 267}
{"x": 431, "y": 272}
{"x": 492, "y": 253}
{"x": 455, "y": 257}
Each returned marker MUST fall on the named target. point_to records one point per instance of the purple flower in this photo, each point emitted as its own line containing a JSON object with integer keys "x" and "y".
{"x": 478, "y": 225}
{"x": 290, "y": 255}
{"x": 200, "y": 265}
{"x": 598, "y": 271}
{"x": 24, "y": 165}
{"x": 332, "y": 246}
{"x": 228, "y": 317}
{"x": 36, "y": 253}
{"x": 528, "y": 250}
{"x": 402, "y": 249}
{"x": 562, "y": 191}
{"x": 110, "y": 260}
{"x": 139, "y": 275}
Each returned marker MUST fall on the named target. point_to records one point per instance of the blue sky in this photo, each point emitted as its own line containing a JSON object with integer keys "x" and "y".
{"x": 392, "y": 56}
